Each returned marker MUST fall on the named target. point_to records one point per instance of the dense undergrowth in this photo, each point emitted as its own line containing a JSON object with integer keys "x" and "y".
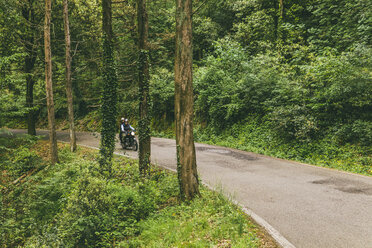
{"x": 251, "y": 135}
{"x": 71, "y": 205}
{"x": 314, "y": 107}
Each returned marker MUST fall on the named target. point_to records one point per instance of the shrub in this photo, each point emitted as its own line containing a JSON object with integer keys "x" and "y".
{"x": 23, "y": 161}
{"x": 357, "y": 132}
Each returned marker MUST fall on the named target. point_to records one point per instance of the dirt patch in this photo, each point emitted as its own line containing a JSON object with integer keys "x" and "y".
{"x": 42, "y": 148}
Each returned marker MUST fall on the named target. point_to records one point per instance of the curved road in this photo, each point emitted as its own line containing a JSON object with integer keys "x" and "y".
{"x": 308, "y": 205}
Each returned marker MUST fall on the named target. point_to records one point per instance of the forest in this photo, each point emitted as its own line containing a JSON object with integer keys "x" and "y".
{"x": 285, "y": 78}
{"x": 278, "y": 77}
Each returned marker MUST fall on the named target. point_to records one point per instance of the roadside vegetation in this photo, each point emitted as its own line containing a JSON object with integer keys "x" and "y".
{"x": 70, "y": 204}
{"x": 317, "y": 111}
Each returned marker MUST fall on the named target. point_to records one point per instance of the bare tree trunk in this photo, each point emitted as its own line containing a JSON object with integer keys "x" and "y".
{"x": 68, "y": 77}
{"x": 49, "y": 85}
{"x": 143, "y": 83}
{"x": 184, "y": 102}
{"x": 281, "y": 6}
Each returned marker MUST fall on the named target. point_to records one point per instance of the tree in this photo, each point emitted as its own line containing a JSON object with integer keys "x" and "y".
{"x": 184, "y": 105}
{"x": 49, "y": 84}
{"x": 281, "y": 8}
{"x": 30, "y": 58}
{"x": 144, "y": 154}
{"x": 109, "y": 98}
{"x": 68, "y": 77}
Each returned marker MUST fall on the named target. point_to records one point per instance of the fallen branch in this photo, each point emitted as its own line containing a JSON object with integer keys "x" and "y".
{"x": 24, "y": 176}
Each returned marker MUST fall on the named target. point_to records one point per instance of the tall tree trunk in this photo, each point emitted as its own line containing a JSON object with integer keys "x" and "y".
{"x": 68, "y": 77}
{"x": 281, "y": 34}
{"x": 143, "y": 83}
{"x": 109, "y": 98}
{"x": 31, "y": 120}
{"x": 29, "y": 15}
{"x": 184, "y": 105}
{"x": 49, "y": 85}
{"x": 281, "y": 7}
{"x": 275, "y": 6}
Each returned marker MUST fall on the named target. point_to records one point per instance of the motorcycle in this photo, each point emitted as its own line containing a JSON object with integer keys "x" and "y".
{"x": 129, "y": 141}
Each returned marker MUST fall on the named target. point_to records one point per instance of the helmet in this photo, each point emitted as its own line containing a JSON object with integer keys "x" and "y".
{"x": 125, "y": 120}
{"x": 122, "y": 119}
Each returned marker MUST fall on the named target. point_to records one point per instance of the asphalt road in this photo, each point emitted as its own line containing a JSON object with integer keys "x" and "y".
{"x": 309, "y": 206}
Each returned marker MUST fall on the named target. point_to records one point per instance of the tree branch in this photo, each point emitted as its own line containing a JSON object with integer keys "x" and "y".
{"x": 198, "y": 8}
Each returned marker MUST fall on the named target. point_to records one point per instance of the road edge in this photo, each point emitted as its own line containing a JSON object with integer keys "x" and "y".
{"x": 275, "y": 234}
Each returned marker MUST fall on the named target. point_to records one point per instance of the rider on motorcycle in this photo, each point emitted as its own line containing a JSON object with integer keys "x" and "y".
{"x": 125, "y": 128}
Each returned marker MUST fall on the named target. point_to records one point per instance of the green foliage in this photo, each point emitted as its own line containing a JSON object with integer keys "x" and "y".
{"x": 71, "y": 204}
{"x": 308, "y": 108}
{"x": 305, "y": 76}
{"x": 257, "y": 134}
{"x": 340, "y": 23}
{"x": 11, "y": 102}
{"x": 95, "y": 211}
{"x": 204, "y": 222}
{"x": 16, "y": 157}
{"x": 162, "y": 95}
{"x": 308, "y": 29}
{"x": 301, "y": 101}
{"x": 358, "y": 131}
{"x": 256, "y": 31}
{"x": 231, "y": 86}
{"x": 204, "y": 35}
{"x": 24, "y": 161}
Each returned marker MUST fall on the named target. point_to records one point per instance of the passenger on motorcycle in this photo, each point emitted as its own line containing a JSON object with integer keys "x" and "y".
{"x": 125, "y": 128}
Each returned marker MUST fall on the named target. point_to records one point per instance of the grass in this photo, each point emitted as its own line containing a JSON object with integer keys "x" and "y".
{"x": 210, "y": 221}
{"x": 71, "y": 205}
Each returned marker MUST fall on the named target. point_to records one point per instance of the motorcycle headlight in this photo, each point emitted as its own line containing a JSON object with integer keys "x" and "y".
{"x": 132, "y": 133}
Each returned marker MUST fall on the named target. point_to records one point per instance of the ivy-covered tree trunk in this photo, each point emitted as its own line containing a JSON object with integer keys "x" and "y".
{"x": 184, "y": 102}
{"x": 49, "y": 84}
{"x": 144, "y": 136}
{"x": 31, "y": 118}
{"x": 109, "y": 98}
{"x": 68, "y": 77}
{"x": 30, "y": 50}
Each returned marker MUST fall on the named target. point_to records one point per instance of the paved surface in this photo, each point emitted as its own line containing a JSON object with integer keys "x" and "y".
{"x": 308, "y": 205}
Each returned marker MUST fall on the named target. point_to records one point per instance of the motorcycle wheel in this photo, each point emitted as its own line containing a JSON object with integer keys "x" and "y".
{"x": 123, "y": 145}
{"x": 135, "y": 145}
